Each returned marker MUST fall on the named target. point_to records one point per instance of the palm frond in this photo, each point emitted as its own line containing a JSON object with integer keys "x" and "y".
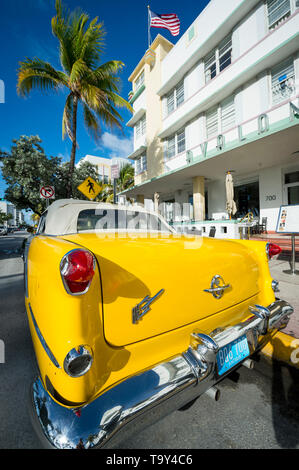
{"x": 92, "y": 123}
{"x": 35, "y": 73}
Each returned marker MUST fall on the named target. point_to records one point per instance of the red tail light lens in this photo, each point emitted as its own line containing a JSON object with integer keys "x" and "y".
{"x": 272, "y": 250}
{"x": 77, "y": 270}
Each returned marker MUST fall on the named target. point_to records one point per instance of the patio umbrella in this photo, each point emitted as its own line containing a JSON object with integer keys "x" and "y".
{"x": 230, "y": 203}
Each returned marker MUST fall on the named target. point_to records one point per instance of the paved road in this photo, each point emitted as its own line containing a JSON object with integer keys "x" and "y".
{"x": 258, "y": 408}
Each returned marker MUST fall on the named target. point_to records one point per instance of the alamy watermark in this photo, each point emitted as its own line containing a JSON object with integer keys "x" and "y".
{"x": 2, "y": 352}
{"x": 2, "y": 92}
{"x": 133, "y": 220}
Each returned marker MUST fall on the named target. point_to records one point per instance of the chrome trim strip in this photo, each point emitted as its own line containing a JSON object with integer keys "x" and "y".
{"x": 42, "y": 340}
{"x": 147, "y": 397}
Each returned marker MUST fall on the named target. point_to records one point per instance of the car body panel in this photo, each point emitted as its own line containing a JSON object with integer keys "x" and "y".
{"x": 65, "y": 321}
{"x": 139, "y": 265}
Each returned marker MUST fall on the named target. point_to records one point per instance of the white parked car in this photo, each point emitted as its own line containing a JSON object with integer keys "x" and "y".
{"x": 3, "y": 230}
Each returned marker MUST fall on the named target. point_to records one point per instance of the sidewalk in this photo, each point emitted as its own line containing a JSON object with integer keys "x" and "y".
{"x": 288, "y": 290}
{"x": 285, "y": 345}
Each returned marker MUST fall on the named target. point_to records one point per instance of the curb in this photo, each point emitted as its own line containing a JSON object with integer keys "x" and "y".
{"x": 283, "y": 347}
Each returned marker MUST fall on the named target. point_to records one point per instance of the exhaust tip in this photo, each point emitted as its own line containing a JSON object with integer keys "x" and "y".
{"x": 248, "y": 363}
{"x": 213, "y": 393}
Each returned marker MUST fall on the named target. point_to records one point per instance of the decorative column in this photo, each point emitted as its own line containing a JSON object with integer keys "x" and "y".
{"x": 199, "y": 198}
{"x": 156, "y": 202}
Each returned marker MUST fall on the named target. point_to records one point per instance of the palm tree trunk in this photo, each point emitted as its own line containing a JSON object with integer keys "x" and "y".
{"x": 74, "y": 147}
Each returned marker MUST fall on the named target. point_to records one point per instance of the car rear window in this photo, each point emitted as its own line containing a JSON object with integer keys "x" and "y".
{"x": 109, "y": 219}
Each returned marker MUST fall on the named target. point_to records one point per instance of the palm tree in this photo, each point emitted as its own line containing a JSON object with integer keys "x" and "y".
{"x": 94, "y": 86}
{"x": 126, "y": 177}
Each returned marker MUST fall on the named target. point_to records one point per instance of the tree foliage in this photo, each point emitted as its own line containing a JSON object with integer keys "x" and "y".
{"x": 26, "y": 168}
{"x": 4, "y": 217}
{"x": 94, "y": 85}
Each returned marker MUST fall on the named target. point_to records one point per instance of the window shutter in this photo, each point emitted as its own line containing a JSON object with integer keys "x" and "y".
{"x": 212, "y": 122}
{"x": 170, "y": 147}
{"x": 180, "y": 93}
{"x": 143, "y": 163}
{"x": 170, "y": 102}
{"x": 277, "y": 10}
{"x": 225, "y": 53}
{"x": 210, "y": 66}
{"x": 181, "y": 141}
{"x": 227, "y": 114}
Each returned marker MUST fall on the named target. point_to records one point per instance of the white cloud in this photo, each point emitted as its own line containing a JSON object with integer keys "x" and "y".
{"x": 114, "y": 146}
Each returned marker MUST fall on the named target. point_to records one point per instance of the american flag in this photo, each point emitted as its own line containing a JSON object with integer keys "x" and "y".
{"x": 168, "y": 21}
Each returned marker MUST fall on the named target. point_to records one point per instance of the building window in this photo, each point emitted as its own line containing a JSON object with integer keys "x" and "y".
{"x": 218, "y": 59}
{"x": 140, "y": 127}
{"x": 283, "y": 81}
{"x": 277, "y": 11}
{"x": 139, "y": 81}
{"x": 140, "y": 164}
{"x": 220, "y": 118}
{"x": 175, "y": 144}
{"x": 175, "y": 98}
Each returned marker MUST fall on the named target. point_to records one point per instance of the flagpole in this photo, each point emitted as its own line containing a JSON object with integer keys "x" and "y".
{"x": 148, "y": 29}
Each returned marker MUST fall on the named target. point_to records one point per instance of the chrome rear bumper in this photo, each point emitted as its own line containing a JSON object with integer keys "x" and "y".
{"x": 145, "y": 398}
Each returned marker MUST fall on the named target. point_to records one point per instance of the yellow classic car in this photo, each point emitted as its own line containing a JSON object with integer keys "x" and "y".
{"x": 131, "y": 321}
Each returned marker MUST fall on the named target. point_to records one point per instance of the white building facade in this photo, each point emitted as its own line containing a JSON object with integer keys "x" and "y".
{"x": 17, "y": 216}
{"x": 103, "y": 165}
{"x": 225, "y": 99}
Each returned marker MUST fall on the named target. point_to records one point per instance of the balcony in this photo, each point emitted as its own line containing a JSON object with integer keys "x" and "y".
{"x": 274, "y": 47}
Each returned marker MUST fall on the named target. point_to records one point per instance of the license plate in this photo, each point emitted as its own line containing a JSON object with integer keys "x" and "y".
{"x": 231, "y": 354}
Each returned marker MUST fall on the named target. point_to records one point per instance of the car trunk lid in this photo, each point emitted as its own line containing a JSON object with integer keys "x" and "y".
{"x": 179, "y": 270}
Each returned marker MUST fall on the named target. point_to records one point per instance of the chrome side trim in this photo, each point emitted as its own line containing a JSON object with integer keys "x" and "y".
{"x": 42, "y": 340}
{"x": 147, "y": 397}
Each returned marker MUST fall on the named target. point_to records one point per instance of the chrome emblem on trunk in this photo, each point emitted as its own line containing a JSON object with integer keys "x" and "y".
{"x": 144, "y": 306}
{"x": 218, "y": 287}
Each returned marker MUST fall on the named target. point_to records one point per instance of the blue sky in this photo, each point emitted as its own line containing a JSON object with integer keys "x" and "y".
{"x": 25, "y": 31}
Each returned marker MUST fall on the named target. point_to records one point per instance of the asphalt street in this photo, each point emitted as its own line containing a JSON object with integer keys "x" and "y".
{"x": 258, "y": 409}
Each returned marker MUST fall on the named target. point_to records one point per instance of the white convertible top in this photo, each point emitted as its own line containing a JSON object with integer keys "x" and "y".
{"x": 62, "y": 215}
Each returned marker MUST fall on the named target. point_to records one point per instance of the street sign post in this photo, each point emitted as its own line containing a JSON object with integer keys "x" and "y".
{"x": 114, "y": 172}
{"x": 90, "y": 188}
{"x": 288, "y": 223}
{"x": 47, "y": 192}
{"x": 114, "y": 175}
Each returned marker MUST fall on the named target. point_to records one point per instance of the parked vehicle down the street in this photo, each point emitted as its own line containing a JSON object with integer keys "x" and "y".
{"x": 131, "y": 321}
{"x": 3, "y": 231}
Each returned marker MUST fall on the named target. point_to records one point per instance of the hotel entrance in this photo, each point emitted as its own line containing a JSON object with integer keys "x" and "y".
{"x": 247, "y": 199}
{"x": 291, "y": 186}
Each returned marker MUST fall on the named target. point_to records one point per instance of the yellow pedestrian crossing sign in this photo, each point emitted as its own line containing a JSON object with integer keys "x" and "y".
{"x": 90, "y": 188}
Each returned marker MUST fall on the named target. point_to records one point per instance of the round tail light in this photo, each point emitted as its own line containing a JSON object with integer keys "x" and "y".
{"x": 272, "y": 250}
{"x": 77, "y": 269}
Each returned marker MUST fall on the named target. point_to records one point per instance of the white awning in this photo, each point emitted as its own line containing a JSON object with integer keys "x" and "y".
{"x": 138, "y": 115}
{"x": 137, "y": 152}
